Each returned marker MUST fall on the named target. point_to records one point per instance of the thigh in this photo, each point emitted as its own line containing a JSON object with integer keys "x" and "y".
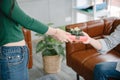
{"x": 13, "y": 64}
{"x": 109, "y": 69}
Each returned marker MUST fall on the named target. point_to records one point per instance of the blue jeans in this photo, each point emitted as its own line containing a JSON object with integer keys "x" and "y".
{"x": 13, "y": 63}
{"x": 105, "y": 70}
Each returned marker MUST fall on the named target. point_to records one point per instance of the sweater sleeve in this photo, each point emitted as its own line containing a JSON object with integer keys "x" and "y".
{"x": 111, "y": 41}
{"x": 21, "y": 18}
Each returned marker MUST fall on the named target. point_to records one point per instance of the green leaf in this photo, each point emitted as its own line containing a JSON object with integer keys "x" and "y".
{"x": 40, "y": 46}
{"x": 49, "y": 52}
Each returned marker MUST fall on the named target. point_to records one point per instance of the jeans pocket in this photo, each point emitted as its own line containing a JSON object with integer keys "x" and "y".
{"x": 15, "y": 59}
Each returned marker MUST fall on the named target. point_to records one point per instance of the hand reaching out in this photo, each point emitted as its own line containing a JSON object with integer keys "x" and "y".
{"x": 94, "y": 42}
{"x": 84, "y": 39}
{"x": 59, "y": 34}
{"x": 78, "y": 38}
{"x": 62, "y": 36}
{"x": 88, "y": 38}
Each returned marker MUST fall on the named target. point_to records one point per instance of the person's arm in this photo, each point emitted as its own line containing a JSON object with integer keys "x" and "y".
{"x": 95, "y": 43}
{"x": 18, "y": 16}
{"x": 59, "y": 34}
{"x": 106, "y": 44}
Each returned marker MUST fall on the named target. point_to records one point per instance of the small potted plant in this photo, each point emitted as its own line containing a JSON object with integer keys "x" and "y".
{"x": 52, "y": 53}
{"x": 76, "y": 31}
{"x": 77, "y": 34}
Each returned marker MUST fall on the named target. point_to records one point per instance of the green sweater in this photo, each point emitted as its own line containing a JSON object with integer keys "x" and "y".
{"x": 11, "y": 26}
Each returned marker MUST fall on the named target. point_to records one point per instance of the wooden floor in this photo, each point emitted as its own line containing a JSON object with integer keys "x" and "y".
{"x": 36, "y": 72}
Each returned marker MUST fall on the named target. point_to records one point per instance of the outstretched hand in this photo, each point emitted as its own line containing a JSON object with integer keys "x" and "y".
{"x": 62, "y": 36}
{"x": 88, "y": 38}
{"x": 78, "y": 38}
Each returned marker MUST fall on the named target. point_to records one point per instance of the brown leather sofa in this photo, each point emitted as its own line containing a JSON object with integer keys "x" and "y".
{"x": 27, "y": 35}
{"x": 83, "y": 58}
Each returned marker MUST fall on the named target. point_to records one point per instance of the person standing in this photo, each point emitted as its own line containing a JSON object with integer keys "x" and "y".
{"x": 13, "y": 49}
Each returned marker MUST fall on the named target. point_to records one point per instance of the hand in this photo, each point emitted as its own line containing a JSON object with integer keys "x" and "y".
{"x": 88, "y": 38}
{"x": 78, "y": 38}
{"x": 62, "y": 36}
{"x": 59, "y": 34}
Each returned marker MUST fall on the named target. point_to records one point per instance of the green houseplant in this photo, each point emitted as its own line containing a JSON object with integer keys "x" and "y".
{"x": 52, "y": 51}
{"x": 49, "y": 46}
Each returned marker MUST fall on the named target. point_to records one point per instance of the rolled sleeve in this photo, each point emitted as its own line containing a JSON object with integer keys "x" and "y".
{"x": 110, "y": 41}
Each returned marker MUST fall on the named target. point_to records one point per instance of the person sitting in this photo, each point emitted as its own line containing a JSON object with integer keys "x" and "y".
{"x": 105, "y": 70}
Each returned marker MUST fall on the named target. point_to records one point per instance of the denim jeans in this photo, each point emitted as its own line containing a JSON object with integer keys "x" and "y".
{"x": 13, "y": 63}
{"x": 105, "y": 70}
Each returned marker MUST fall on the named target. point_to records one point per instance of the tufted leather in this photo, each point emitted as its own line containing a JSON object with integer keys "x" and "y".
{"x": 82, "y": 58}
{"x": 27, "y": 35}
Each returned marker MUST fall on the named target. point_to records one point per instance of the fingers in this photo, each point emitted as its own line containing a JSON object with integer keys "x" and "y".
{"x": 62, "y": 36}
{"x": 69, "y": 40}
{"x": 65, "y": 38}
{"x": 67, "y": 33}
{"x": 69, "y": 37}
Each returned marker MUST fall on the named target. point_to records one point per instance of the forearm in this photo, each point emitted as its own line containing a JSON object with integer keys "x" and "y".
{"x": 95, "y": 43}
